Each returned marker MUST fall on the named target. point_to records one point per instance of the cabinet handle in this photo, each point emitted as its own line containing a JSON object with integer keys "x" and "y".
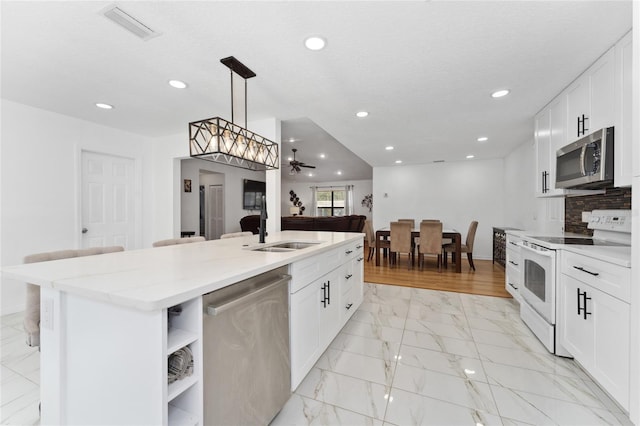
{"x": 324, "y": 296}
{"x": 512, "y": 243}
{"x": 514, "y": 287}
{"x": 349, "y": 306}
{"x": 358, "y": 247}
{"x": 513, "y": 263}
{"x": 583, "y": 308}
{"x": 348, "y": 276}
{"x": 545, "y": 183}
{"x": 349, "y": 251}
{"x": 579, "y": 307}
{"x": 580, "y": 268}
{"x": 360, "y": 259}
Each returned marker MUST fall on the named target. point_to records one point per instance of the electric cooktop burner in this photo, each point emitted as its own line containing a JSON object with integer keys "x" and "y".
{"x": 583, "y": 241}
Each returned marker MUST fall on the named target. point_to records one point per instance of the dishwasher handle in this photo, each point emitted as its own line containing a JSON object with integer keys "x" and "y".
{"x": 218, "y": 309}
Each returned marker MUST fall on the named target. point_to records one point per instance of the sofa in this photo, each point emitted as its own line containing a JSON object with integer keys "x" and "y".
{"x": 351, "y": 223}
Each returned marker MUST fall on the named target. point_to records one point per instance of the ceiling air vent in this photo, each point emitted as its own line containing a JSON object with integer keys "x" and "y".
{"x": 438, "y": 161}
{"x": 128, "y": 22}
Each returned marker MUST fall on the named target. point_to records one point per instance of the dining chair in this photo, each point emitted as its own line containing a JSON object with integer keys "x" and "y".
{"x": 31, "y": 322}
{"x": 370, "y": 238}
{"x": 411, "y": 221}
{"x": 430, "y": 242}
{"x": 401, "y": 242}
{"x": 174, "y": 241}
{"x": 236, "y": 234}
{"x": 464, "y": 248}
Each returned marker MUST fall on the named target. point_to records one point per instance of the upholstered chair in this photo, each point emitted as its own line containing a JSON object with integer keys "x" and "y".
{"x": 411, "y": 221}
{"x": 370, "y": 238}
{"x": 430, "y": 242}
{"x": 236, "y": 234}
{"x": 32, "y": 312}
{"x": 464, "y": 248}
{"x": 174, "y": 241}
{"x": 401, "y": 241}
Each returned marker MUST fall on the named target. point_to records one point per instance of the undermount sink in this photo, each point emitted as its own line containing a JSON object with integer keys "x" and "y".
{"x": 286, "y": 246}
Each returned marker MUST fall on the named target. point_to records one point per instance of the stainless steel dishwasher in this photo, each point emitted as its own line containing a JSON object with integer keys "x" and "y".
{"x": 247, "y": 366}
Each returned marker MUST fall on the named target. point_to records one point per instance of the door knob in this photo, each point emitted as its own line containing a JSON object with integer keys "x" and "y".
{"x": 85, "y": 230}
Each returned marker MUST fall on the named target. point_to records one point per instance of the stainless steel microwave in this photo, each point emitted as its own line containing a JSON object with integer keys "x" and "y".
{"x": 586, "y": 163}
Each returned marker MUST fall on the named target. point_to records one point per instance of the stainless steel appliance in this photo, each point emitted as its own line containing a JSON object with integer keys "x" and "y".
{"x": 247, "y": 367}
{"x": 540, "y": 270}
{"x": 586, "y": 163}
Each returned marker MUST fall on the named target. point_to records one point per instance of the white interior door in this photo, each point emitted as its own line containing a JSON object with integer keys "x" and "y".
{"x": 215, "y": 212}
{"x": 108, "y": 211}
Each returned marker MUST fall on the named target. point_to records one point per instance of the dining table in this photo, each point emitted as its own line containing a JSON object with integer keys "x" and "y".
{"x": 383, "y": 242}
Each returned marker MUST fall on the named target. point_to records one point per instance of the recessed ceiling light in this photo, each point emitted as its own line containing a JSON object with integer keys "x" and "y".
{"x": 104, "y": 106}
{"x": 289, "y": 158}
{"x": 178, "y": 84}
{"x": 398, "y": 161}
{"x": 483, "y": 139}
{"x": 310, "y": 174}
{"x": 315, "y": 43}
{"x": 388, "y": 148}
{"x": 292, "y": 140}
{"x": 470, "y": 156}
{"x": 500, "y": 93}
{"x": 339, "y": 172}
{"x": 361, "y": 114}
{"x": 322, "y": 155}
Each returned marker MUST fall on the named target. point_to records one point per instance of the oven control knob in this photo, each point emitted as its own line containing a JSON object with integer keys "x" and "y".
{"x": 595, "y": 219}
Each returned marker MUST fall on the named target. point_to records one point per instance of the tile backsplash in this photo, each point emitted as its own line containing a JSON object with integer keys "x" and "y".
{"x": 612, "y": 199}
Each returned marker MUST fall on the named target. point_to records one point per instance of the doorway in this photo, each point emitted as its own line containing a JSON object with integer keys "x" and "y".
{"x": 215, "y": 212}
{"x": 108, "y": 208}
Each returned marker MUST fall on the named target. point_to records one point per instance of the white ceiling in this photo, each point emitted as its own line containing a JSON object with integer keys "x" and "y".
{"x": 423, "y": 70}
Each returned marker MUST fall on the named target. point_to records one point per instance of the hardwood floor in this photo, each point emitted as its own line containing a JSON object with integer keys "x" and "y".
{"x": 487, "y": 279}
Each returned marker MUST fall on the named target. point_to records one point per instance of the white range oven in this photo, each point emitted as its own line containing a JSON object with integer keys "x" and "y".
{"x": 540, "y": 271}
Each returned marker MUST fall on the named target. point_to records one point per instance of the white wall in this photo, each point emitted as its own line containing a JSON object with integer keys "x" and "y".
{"x": 232, "y": 181}
{"x": 303, "y": 191}
{"x": 40, "y": 195}
{"x": 456, "y": 193}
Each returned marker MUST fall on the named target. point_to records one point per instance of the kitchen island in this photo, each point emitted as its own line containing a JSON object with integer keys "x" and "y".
{"x": 105, "y": 336}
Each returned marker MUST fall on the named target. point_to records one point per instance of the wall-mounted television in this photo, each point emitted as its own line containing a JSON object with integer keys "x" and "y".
{"x": 252, "y": 192}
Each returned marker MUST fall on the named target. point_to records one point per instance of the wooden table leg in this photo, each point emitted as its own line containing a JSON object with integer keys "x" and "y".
{"x": 458, "y": 254}
{"x": 378, "y": 248}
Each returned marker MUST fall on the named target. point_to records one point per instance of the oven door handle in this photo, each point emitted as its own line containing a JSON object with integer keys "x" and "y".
{"x": 548, "y": 253}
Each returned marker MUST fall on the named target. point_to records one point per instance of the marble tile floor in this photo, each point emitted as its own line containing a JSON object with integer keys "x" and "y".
{"x": 407, "y": 357}
{"x": 422, "y": 357}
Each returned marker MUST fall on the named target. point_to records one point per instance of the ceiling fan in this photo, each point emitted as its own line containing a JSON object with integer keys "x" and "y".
{"x": 295, "y": 165}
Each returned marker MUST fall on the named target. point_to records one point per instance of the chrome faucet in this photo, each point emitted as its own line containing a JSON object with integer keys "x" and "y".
{"x": 263, "y": 220}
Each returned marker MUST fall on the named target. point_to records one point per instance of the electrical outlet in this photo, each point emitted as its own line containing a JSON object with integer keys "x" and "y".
{"x": 46, "y": 313}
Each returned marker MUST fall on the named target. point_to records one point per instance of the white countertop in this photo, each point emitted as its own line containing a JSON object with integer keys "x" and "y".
{"x": 157, "y": 278}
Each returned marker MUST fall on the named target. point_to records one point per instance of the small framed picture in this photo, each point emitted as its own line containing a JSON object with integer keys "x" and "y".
{"x": 187, "y": 185}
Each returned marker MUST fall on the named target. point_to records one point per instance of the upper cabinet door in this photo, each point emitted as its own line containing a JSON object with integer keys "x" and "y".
{"x": 603, "y": 88}
{"x": 578, "y": 111}
{"x": 543, "y": 154}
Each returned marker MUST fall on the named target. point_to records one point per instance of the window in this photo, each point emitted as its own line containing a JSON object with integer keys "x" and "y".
{"x": 330, "y": 202}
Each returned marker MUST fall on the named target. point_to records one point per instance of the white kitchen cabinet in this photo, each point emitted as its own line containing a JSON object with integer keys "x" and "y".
{"x": 317, "y": 312}
{"x": 513, "y": 270}
{"x": 578, "y": 111}
{"x": 593, "y": 324}
{"x": 543, "y": 152}
{"x": 623, "y": 158}
{"x": 591, "y": 98}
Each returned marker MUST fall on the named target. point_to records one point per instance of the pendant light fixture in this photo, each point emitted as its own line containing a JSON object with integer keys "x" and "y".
{"x": 218, "y": 140}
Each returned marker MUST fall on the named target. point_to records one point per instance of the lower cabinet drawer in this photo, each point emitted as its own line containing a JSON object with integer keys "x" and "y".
{"x": 604, "y": 276}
